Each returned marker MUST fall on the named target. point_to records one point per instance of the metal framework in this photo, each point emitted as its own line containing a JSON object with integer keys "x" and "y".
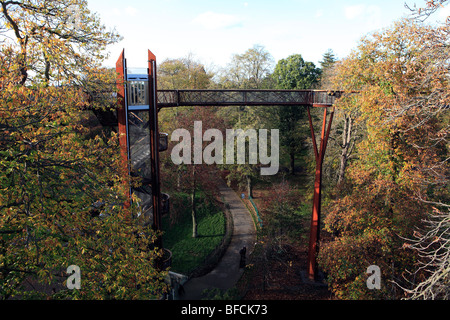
{"x": 178, "y": 98}
{"x": 138, "y": 95}
{"x": 139, "y": 137}
{"x": 319, "y": 154}
{"x": 300, "y": 98}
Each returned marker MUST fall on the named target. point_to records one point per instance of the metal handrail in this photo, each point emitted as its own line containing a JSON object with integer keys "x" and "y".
{"x": 245, "y": 97}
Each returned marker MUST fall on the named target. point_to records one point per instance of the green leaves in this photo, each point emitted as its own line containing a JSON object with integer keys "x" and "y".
{"x": 295, "y": 73}
{"x": 183, "y": 73}
{"x": 48, "y": 44}
{"x": 379, "y": 205}
{"x": 249, "y": 70}
{"x": 56, "y": 163}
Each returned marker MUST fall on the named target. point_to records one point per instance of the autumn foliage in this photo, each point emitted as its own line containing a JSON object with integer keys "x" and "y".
{"x": 397, "y": 73}
{"x": 61, "y": 185}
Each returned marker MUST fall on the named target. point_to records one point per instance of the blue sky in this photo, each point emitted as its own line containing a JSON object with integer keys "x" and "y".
{"x": 214, "y": 30}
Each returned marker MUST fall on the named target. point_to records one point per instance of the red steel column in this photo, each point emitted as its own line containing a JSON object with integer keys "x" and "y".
{"x": 315, "y": 219}
{"x": 122, "y": 116}
{"x": 154, "y": 144}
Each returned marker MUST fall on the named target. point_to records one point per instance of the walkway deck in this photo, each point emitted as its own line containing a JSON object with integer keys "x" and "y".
{"x": 227, "y": 272}
{"x": 249, "y": 97}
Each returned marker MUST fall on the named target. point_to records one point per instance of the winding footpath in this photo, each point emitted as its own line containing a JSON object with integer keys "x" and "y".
{"x": 227, "y": 272}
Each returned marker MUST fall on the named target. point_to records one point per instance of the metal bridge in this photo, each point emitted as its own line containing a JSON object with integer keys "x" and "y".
{"x": 223, "y": 98}
{"x": 246, "y": 97}
{"x": 136, "y": 119}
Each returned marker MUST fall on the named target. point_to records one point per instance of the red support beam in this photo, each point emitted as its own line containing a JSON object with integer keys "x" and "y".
{"x": 154, "y": 144}
{"x": 122, "y": 117}
{"x": 315, "y": 219}
{"x": 154, "y": 149}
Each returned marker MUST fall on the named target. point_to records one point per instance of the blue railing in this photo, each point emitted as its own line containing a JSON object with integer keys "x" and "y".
{"x": 257, "y": 212}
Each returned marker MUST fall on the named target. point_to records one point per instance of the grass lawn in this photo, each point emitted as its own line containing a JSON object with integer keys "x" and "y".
{"x": 189, "y": 253}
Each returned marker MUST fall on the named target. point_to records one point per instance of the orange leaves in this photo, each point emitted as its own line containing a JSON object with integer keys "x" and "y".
{"x": 394, "y": 61}
{"x": 50, "y": 45}
{"x": 55, "y": 166}
{"x": 401, "y": 158}
{"x": 53, "y": 169}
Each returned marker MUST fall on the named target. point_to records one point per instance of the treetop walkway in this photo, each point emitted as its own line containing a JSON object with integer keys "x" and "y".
{"x": 136, "y": 118}
{"x": 246, "y": 97}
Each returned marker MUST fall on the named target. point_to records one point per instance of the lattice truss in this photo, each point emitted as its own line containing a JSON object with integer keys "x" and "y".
{"x": 172, "y": 98}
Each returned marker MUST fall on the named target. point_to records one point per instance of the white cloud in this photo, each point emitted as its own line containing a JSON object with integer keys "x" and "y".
{"x": 319, "y": 13}
{"x": 131, "y": 11}
{"x": 352, "y": 12}
{"x": 372, "y": 14}
{"x": 444, "y": 13}
{"x": 211, "y": 20}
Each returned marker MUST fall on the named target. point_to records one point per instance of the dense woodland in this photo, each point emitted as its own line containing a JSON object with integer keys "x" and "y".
{"x": 386, "y": 197}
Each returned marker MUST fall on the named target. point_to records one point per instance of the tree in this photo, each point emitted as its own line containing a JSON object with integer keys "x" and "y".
{"x": 327, "y": 69}
{"x": 183, "y": 73}
{"x": 348, "y": 130}
{"x": 282, "y": 226}
{"x": 348, "y": 144}
{"x": 245, "y": 119}
{"x": 62, "y": 185}
{"x": 56, "y": 40}
{"x": 293, "y": 73}
{"x": 249, "y": 70}
{"x": 429, "y": 8}
{"x": 328, "y": 60}
{"x": 282, "y": 222}
{"x": 394, "y": 73}
{"x": 345, "y": 118}
{"x": 433, "y": 246}
{"x": 186, "y": 73}
{"x": 431, "y": 241}
{"x": 191, "y": 174}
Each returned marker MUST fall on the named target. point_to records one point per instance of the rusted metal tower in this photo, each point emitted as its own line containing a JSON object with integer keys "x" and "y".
{"x": 301, "y": 98}
{"x": 319, "y": 154}
{"x": 140, "y": 140}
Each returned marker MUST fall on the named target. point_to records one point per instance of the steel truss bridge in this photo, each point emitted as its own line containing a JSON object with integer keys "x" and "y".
{"x": 136, "y": 119}
{"x": 246, "y": 97}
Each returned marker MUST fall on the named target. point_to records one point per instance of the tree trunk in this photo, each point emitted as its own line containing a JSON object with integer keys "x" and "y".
{"x": 395, "y": 141}
{"x": 193, "y": 209}
{"x": 23, "y": 44}
{"x": 342, "y": 166}
{"x": 347, "y": 147}
{"x": 47, "y": 69}
{"x": 249, "y": 186}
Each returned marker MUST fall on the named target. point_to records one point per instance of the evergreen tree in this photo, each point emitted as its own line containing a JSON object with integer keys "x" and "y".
{"x": 293, "y": 73}
{"x": 328, "y": 60}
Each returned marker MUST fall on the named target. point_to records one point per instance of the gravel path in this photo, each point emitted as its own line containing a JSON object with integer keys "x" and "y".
{"x": 227, "y": 272}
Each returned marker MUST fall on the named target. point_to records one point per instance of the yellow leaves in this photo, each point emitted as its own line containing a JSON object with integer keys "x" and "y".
{"x": 389, "y": 59}
{"x": 64, "y": 162}
{"x": 66, "y": 50}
